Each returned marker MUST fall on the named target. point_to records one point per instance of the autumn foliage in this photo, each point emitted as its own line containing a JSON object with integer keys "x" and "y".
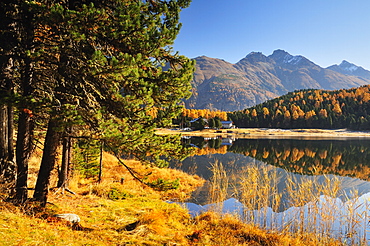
{"x": 204, "y": 113}
{"x": 314, "y": 157}
{"x": 310, "y": 109}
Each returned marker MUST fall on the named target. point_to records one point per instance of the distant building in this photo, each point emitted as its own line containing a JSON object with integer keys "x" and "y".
{"x": 227, "y": 124}
{"x": 227, "y": 141}
{"x": 193, "y": 120}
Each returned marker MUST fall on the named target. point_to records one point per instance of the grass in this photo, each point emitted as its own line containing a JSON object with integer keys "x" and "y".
{"x": 129, "y": 213}
{"x": 256, "y": 188}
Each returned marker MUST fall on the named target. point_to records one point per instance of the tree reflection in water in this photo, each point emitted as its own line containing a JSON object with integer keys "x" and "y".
{"x": 318, "y": 186}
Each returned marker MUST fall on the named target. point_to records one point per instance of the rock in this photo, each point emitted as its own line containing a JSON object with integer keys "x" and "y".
{"x": 73, "y": 218}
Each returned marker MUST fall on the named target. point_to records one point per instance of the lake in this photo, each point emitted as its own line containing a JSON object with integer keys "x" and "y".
{"x": 313, "y": 185}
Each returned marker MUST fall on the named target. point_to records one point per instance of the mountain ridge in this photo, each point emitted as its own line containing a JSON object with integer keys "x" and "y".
{"x": 348, "y": 68}
{"x": 220, "y": 85}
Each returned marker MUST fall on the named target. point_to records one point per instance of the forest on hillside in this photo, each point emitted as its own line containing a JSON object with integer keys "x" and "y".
{"x": 310, "y": 108}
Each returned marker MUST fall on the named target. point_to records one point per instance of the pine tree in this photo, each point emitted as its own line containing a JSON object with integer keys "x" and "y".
{"x": 17, "y": 64}
{"x": 218, "y": 123}
{"x": 8, "y": 42}
{"x": 105, "y": 63}
{"x": 211, "y": 123}
{"x": 115, "y": 60}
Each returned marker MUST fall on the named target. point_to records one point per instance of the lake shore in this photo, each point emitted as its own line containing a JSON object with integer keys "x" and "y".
{"x": 270, "y": 133}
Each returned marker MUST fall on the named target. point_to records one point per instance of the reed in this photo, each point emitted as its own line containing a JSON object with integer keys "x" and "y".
{"x": 219, "y": 185}
{"x": 314, "y": 208}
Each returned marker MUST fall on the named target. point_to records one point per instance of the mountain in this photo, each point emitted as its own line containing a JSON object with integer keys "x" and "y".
{"x": 350, "y": 69}
{"x": 220, "y": 85}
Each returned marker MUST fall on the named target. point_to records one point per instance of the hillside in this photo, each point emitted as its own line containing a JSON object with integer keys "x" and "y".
{"x": 311, "y": 109}
{"x": 220, "y": 85}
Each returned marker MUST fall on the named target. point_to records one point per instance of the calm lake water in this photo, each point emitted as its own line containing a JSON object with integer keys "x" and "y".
{"x": 280, "y": 183}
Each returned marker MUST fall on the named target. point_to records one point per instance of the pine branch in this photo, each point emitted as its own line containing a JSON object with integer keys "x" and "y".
{"x": 129, "y": 169}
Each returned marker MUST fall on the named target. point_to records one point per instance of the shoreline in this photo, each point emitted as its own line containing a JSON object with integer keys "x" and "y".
{"x": 269, "y": 133}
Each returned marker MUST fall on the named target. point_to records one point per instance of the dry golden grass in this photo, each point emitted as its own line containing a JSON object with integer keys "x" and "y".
{"x": 137, "y": 215}
{"x": 107, "y": 221}
{"x": 114, "y": 174}
{"x": 139, "y": 221}
{"x": 213, "y": 229}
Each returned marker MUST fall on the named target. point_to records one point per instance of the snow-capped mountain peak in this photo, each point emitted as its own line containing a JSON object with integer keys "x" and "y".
{"x": 292, "y": 59}
{"x": 283, "y": 57}
{"x": 351, "y": 69}
{"x": 345, "y": 65}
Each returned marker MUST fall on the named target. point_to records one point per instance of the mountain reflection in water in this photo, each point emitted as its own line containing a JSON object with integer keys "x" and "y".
{"x": 343, "y": 162}
{"x": 319, "y": 186}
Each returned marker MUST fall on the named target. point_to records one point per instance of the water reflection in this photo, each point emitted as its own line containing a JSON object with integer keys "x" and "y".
{"x": 307, "y": 157}
{"x": 346, "y": 221}
{"x": 285, "y": 182}
{"x": 311, "y": 157}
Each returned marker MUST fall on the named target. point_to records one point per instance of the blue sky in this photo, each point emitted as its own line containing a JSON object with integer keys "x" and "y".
{"x": 324, "y": 31}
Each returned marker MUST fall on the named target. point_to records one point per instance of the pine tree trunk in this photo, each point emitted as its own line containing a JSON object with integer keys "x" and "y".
{"x": 24, "y": 136}
{"x": 66, "y": 159}
{"x": 5, "y": 79}
{"x": 11, "y": 133}
{"x": 51, "y": 144}
{"x": 4, "y": 155}
{"x": 7, "y": 166}
{"x": 23, "y": 152}
{"x": 24, "y": 30}
{"x": 101, "y": 162}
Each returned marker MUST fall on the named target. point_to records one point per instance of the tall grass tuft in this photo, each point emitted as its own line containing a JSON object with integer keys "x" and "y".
{"x": 218, "y": 185}
{"x": 313, "y": 205}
